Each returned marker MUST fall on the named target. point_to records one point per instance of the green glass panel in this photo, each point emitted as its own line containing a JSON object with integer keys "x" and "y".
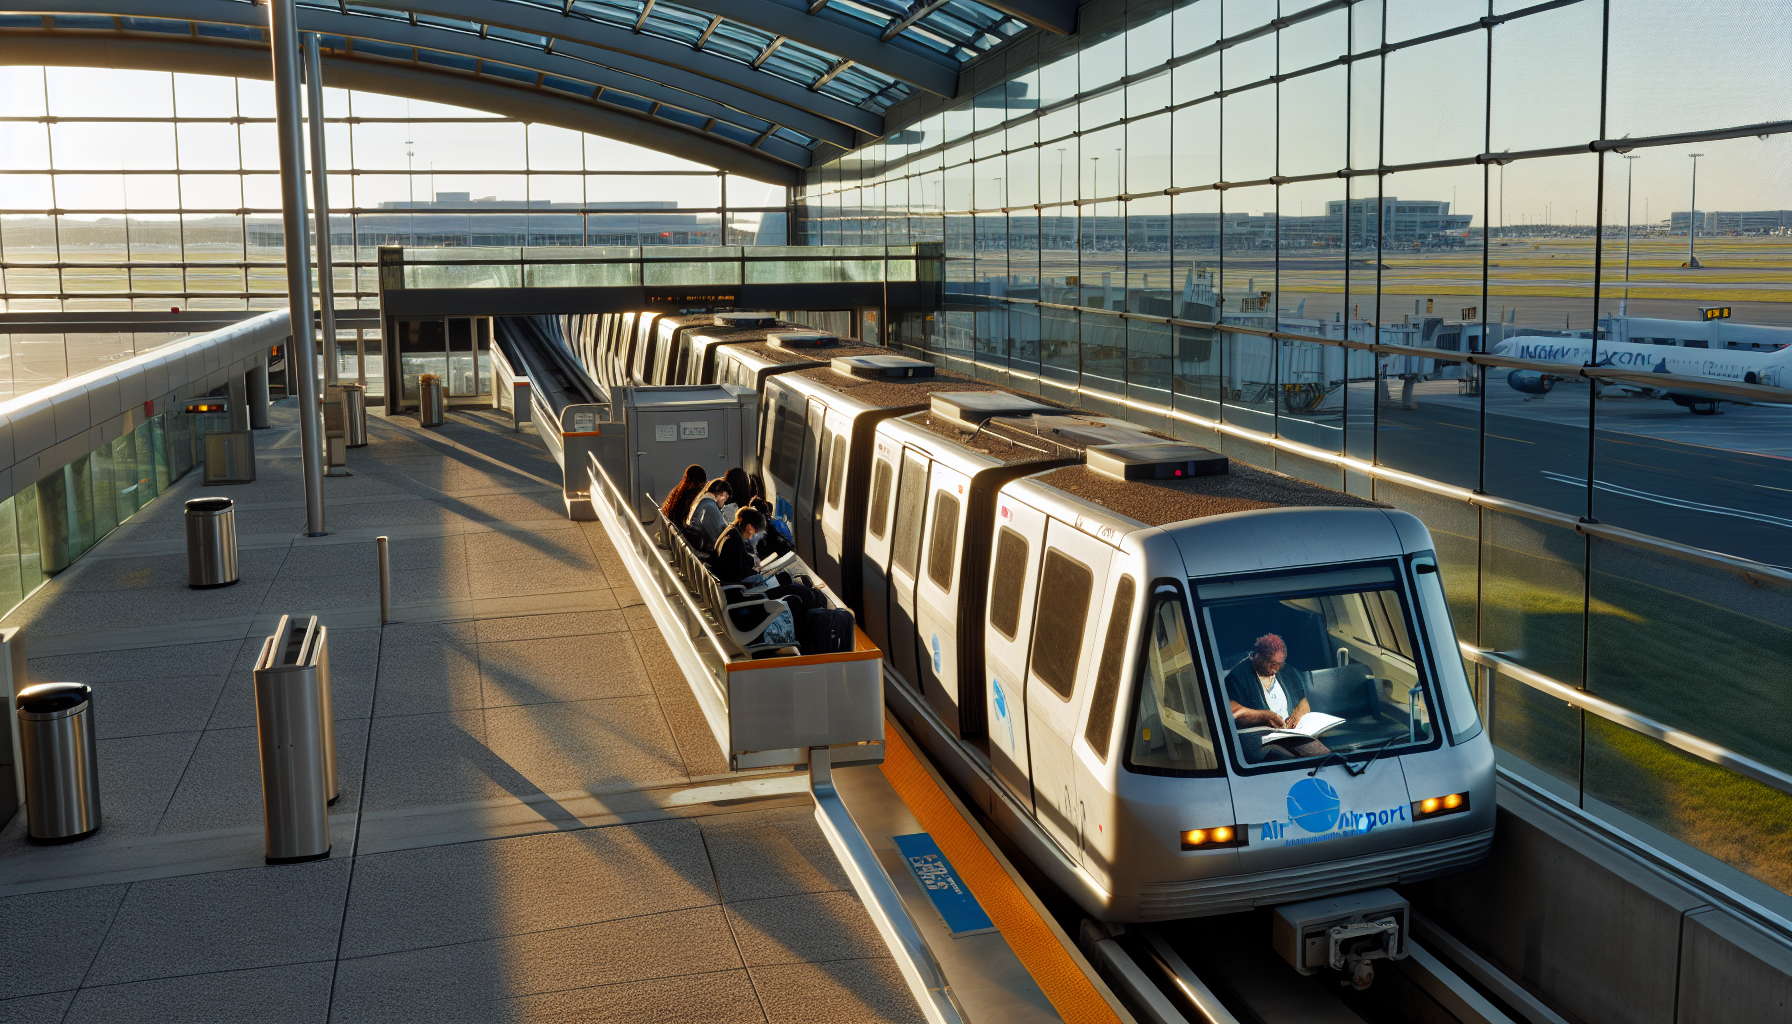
{"x": 1732, "y": 817}
{"x": 105, "y": 492}
{"x": 1699, "y": 648}
{"x": 1533, "y": 594}
{"x": 158, "y": 445}
{"x": 146, "y": 466}
{"x": 78, "y": 482}
{"x": 124, "y": 475}
{"x": 11, "y": 593}
{"x": 1537, "y": 728}
{"x": 31, "y": 573}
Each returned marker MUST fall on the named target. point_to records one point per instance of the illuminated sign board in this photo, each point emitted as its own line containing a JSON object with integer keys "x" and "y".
{"x": 1715, "y": 312}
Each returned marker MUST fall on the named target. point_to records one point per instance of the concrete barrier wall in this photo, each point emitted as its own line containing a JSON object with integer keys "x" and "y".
{"x": 1600, "y": 935}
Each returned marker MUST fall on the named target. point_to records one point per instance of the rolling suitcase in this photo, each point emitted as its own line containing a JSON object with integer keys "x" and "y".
{"x": 827, "y": 631}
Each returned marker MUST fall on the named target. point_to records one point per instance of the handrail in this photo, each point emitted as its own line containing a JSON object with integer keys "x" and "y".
{"x": 1756, "y": 392}
{"x": 1719, "y": 755}
{"x": 1755, "y": 572}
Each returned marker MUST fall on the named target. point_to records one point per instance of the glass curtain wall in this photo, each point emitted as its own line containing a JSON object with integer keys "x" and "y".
{"x": 144, "y": 190}
{"x": 1473, "y": 176}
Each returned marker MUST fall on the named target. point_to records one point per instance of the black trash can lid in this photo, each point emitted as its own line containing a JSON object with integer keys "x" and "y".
{"x": 210, "y": 505}
{"x": 48, "y": 698}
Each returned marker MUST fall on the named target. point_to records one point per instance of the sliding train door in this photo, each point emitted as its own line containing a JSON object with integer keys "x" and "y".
{"x": 905, "y": 561}
{"x": 874, "y": 578}
{"x": 937, "y": 592}
{"x": 1013, "y": 585}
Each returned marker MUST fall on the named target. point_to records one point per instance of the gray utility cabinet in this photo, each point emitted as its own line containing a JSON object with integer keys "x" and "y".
{"x": 715, "y": 426}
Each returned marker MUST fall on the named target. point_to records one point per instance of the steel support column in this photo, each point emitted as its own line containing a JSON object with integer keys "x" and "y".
{"x": 283, "y": 39}
{"x": 320, "y": 193}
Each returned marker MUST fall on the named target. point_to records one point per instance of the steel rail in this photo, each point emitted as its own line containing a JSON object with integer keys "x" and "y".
{"x": 1585, "y": 700}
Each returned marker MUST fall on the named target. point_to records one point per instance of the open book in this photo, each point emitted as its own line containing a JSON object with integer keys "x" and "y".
{"x": 776, "y": 563}
{"x": 1311, "y": 725}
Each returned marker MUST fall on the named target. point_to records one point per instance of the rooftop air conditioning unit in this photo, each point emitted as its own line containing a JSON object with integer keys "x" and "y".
{"x": 970, "y": 409}
{"x": 881, "y": 367}
{"x": 744, "y": 320}
{"x": 1169, "y": 460}
{"x": 805, "y": 339}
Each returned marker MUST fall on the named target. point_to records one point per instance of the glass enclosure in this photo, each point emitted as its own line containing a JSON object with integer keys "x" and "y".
{"x": 458, "y": 349}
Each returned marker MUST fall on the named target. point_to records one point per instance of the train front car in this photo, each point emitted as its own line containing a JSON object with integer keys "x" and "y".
{"x": 1278, "y": 710}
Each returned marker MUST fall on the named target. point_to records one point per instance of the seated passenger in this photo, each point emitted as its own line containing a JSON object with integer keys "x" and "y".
{"x": 677, "y": 505}
{"x": 746, "y": 493}
{"x": 706, "y": 519}
{"x": 1263, "y": 692}
{"x": 734, "y": 563}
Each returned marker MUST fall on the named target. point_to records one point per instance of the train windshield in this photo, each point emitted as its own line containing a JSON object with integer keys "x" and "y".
{"x": 1318, "y": 664}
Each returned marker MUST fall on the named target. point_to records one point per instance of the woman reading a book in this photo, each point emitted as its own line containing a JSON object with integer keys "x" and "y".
{"x": 1264, "y": 693}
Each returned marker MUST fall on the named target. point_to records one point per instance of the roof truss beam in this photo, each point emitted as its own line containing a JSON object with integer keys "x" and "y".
{"x": 934, "y": 73}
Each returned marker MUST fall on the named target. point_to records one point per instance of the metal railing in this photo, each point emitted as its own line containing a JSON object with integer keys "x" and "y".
{"x": 677, "y": 266}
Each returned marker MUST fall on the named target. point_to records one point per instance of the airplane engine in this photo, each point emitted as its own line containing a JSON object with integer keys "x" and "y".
{"x": 1532, "y": 382}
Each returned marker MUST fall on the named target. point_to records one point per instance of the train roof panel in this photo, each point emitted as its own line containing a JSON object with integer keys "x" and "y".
{"x": 891, "y": 394}
{"x": 1005, "y": 444}
{"x": 778, "y": 354}
{"x": 1162, "y": 502}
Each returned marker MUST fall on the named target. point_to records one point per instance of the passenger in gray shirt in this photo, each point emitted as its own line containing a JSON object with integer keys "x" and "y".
{"x": 706, "y": 514}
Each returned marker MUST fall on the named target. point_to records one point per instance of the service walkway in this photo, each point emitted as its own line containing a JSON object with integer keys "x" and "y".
{"x": 534, "y": 822}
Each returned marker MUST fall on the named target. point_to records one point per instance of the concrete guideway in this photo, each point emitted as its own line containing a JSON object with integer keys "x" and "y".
{"x": 534, "y": 821}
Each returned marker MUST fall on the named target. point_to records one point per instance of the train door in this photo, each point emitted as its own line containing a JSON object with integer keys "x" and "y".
{"x": 905, "y": 561}
{"x": 830, "y": 505}
{"x": 936, "y": 592}
{"x": 1095, "y": 800}
{"x": 1061, "y": 651}
{"x": 815, "y": 441}
{"x": 874, "y": 586}
{"x": 1013, "y": 582}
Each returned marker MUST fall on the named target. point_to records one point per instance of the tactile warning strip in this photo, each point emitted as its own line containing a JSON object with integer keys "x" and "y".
{"x": 1038, "y": 948}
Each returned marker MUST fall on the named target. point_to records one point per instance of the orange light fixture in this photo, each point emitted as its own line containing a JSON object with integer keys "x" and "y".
{"x": 1217, "y": 837}
{"x": 1437, "y": 806}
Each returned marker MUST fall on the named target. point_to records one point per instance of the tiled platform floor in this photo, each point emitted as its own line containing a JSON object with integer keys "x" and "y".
{"x": 535, "y": 824}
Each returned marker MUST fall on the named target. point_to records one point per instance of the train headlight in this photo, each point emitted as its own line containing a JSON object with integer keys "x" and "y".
{"x": 1437, "y": 806}
{"x": 1217, "y": 837}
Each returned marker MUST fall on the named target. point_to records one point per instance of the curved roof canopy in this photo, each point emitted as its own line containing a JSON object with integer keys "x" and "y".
{"x": 760, "y": 87}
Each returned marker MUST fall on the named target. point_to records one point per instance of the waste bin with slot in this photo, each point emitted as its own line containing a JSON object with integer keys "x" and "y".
{"x": 298, "y": 750}
{"x": 354, "y": 415}
{"x": 62, "y": 786}
{"x": 211, "y": 543}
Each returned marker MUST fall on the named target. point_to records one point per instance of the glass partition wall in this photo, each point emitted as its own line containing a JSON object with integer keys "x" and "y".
{"x": 126, "y": 190}
{"x": 1288, "y": 230}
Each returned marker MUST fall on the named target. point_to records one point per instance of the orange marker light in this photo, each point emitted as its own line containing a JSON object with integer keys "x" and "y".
{"x": 1194, "y": 837}
{"x": 1453, "y": 801}
{"x": 1222, "y": 834}
{"x": 1431, "y": 804}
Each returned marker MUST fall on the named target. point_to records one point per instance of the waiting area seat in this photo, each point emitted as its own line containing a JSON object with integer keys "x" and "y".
{"x": 745, "y": 613}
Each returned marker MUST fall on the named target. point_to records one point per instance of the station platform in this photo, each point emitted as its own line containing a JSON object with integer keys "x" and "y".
{"x": 535, "y": 822}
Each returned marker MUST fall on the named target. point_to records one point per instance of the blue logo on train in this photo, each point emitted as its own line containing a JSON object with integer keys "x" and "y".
{"x": 1313, "y": 805}
{"x": 936, "y": 653}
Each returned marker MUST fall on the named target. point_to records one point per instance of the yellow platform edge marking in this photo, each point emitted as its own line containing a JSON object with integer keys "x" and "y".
{"x": 1034, "y": 941}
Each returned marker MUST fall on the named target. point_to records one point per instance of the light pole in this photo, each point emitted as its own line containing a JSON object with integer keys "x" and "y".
{"x": 1060, "y": 174}
{"x": 1095, "y": 186}
{"x": 1692, "y": 216}
{"x": 1629, "y": 177}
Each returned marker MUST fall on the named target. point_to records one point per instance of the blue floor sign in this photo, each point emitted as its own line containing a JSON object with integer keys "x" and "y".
{"x": 951, "y": 897}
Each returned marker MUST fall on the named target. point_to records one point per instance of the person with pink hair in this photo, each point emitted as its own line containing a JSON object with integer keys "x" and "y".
{"x": 1263, "y": 691}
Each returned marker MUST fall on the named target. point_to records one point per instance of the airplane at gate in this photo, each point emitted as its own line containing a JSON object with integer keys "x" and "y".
{"x": 1770, "y": 368}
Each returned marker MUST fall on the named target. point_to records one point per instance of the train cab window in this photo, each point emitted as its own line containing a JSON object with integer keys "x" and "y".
{"x": 1171, "y": 732}
{"x": 1318, "y": 664}
{"x": 1010, "y": 573}
{"x": 911, "y": 497}
{"x": 837, "y": 470}
{"x": 1065, "y": 586}
{"x": 880, "y": 499}
{"x": 942, "y": 541}
{"x": 1107, "y": 677}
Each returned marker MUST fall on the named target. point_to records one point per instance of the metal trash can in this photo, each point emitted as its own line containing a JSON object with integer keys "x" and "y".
{"x": 62, "y": 786}
{"x": 354, "y": 415}
{"x": 229, "y": 457}
{"x": 432, "y": 400}
{"x": 298, "y": 749}
{"x": 211, "y": 543}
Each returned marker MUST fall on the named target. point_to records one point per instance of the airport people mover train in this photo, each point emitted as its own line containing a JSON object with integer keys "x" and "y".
{"x": 1181, "y": 685}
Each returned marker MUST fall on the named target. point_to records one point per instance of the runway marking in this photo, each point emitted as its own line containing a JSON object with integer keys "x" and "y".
{"x": 1770, "y": 487}
{"x": 1661, "y": 499}
{"x": 1503, "y": 437}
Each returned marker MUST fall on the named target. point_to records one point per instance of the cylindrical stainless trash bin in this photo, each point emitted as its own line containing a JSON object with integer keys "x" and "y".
{"x": 62, "y": 786}
{"x": 292, "y": 723}
{"x": 432, "y": 400}
{"x": 354, "y": 415}
{"x": 211, "y": 543}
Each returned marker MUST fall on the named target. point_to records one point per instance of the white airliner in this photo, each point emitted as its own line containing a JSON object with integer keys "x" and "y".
{"x": 1770, "y": 368}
